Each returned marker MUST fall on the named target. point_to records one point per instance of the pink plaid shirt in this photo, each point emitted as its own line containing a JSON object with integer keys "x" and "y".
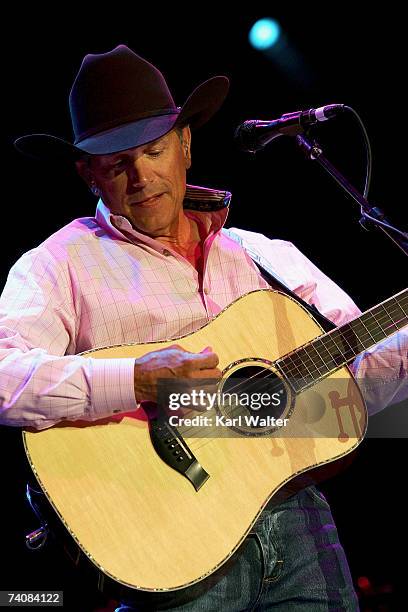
{"x": 97, "y": 282}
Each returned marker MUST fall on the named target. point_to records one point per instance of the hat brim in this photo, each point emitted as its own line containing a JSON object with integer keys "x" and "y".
{"x": 201, "y": 105}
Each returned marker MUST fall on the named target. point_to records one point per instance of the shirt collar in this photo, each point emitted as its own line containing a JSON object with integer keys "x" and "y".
{"x": 209, "y": 205}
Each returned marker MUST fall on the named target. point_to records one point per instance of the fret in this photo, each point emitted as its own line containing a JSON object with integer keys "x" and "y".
{"x": 374, "y": 332}
{"x": 312, "y": 373}
{"x": 303, "y": 375}
{"x": 288, "y": 371}
{"x": 393, "y": 309}
{"x": 400, "y": 306}
{"x": 283, "y": 366}
{"x": 380, "y": 325}
{"x": 397, "y": 319}
{"x": 301, "y": 364}
{"x": 307, "y": 359}
{"x": 352, "y": 335}
{"x": 387, "y": 320}
{"x": 330, "y": 360}
{"x": 294, "y": 376}
{"x": 340, "y": 346}
{"x": 301, "y": 369}
{"x": 333, "y": 336}
{"x": 370, "y": 335}
{"x": 348, "y": 340}
{"x": 312, "y": 347}
{"x": 403, "y": 305}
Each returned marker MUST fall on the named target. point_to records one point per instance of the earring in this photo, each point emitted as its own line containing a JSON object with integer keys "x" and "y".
{"x": 94, "y": 188}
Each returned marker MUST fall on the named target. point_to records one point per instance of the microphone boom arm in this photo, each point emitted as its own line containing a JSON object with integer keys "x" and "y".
{"x": 373, "y": 214}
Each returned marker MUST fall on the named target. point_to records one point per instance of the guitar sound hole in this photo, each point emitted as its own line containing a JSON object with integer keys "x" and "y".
{"x": 254, "y": 398}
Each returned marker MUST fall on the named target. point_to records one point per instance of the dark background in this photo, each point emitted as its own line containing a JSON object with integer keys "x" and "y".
{"x": 336, "y": 57}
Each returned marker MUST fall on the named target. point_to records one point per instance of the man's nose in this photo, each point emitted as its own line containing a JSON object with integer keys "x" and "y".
{"x": 139, "y": 174}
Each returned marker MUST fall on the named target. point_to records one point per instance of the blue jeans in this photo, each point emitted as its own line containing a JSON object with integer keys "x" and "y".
{"x": 292, "y": 560}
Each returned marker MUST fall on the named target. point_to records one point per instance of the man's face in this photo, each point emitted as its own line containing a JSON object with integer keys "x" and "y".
{"x": 145, "y": 184}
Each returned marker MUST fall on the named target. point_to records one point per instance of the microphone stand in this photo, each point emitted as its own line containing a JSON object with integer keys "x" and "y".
{"x": 372, "y": 214}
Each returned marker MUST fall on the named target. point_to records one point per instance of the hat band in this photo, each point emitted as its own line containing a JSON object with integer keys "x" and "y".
{"x": 105, "y": 127}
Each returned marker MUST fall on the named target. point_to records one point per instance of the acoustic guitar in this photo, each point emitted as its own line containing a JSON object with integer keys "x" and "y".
{"x": 159, "y": 498}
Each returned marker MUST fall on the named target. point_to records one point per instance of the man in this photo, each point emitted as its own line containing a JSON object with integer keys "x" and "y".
{"x": 155, "y": 264}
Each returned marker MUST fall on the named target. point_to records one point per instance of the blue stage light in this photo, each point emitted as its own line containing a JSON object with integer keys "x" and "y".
{"x": 264, "y": 34}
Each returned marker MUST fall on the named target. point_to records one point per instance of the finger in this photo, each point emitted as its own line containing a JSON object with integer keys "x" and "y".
{"x": 204, "y": 361}
{"x": 207, "y": 349}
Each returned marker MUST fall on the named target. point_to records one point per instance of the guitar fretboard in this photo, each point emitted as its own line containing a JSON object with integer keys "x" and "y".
{"x": 319, "y": 358}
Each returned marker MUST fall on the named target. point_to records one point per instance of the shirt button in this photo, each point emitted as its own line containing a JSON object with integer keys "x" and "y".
{"x": 206, "y": 291}
{"x": 166, "y": 252}
{"x": 122, "y": 222}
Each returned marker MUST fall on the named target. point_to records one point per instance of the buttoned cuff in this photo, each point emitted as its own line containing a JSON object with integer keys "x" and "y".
{"x": 112, "y": 387}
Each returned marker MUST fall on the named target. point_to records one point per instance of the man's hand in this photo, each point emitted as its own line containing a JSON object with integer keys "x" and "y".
{"x": 174, "y": 363}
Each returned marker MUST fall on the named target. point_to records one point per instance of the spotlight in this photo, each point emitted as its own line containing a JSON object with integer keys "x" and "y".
{"x": 264, "y": 34}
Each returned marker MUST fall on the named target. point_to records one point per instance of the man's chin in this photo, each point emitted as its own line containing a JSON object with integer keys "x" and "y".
{"x": 151, "y": 230}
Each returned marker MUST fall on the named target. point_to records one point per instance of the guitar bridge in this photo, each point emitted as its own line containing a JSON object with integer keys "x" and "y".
{"x": 173, "y": 450}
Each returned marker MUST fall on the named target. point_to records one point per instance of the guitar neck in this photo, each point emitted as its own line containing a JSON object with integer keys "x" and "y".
{"x": 319, "y": 358}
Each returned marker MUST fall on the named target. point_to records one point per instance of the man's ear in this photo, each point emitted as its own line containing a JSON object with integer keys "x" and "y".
{"x": 186, "y": 142}
{"x": 84, "y": 171}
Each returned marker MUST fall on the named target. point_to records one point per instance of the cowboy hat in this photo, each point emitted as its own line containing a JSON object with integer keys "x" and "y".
{"x": 119, "y": 101}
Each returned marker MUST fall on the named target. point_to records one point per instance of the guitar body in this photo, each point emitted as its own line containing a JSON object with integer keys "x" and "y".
{"x": 144, "y": 524}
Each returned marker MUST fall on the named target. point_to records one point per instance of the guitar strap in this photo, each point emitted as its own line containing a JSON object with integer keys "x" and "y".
{"x": 276, "y": 283}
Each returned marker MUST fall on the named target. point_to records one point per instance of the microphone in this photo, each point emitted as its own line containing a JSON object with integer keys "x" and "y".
{"x": 253, "y": 135}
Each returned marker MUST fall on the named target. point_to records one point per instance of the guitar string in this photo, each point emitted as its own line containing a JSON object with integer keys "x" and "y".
{"x": 292, "y": 372}
{"x": 329, "y": 337}
{"x": 236, "y": 411}
{"x": 198, "y": 442}
{"x": 316, "y": 369}
{"x": 265, "y": 377}
{"x": 209, "y": 438}
{"x": 289, "y": 372}
{"x": 185, "y": 430}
